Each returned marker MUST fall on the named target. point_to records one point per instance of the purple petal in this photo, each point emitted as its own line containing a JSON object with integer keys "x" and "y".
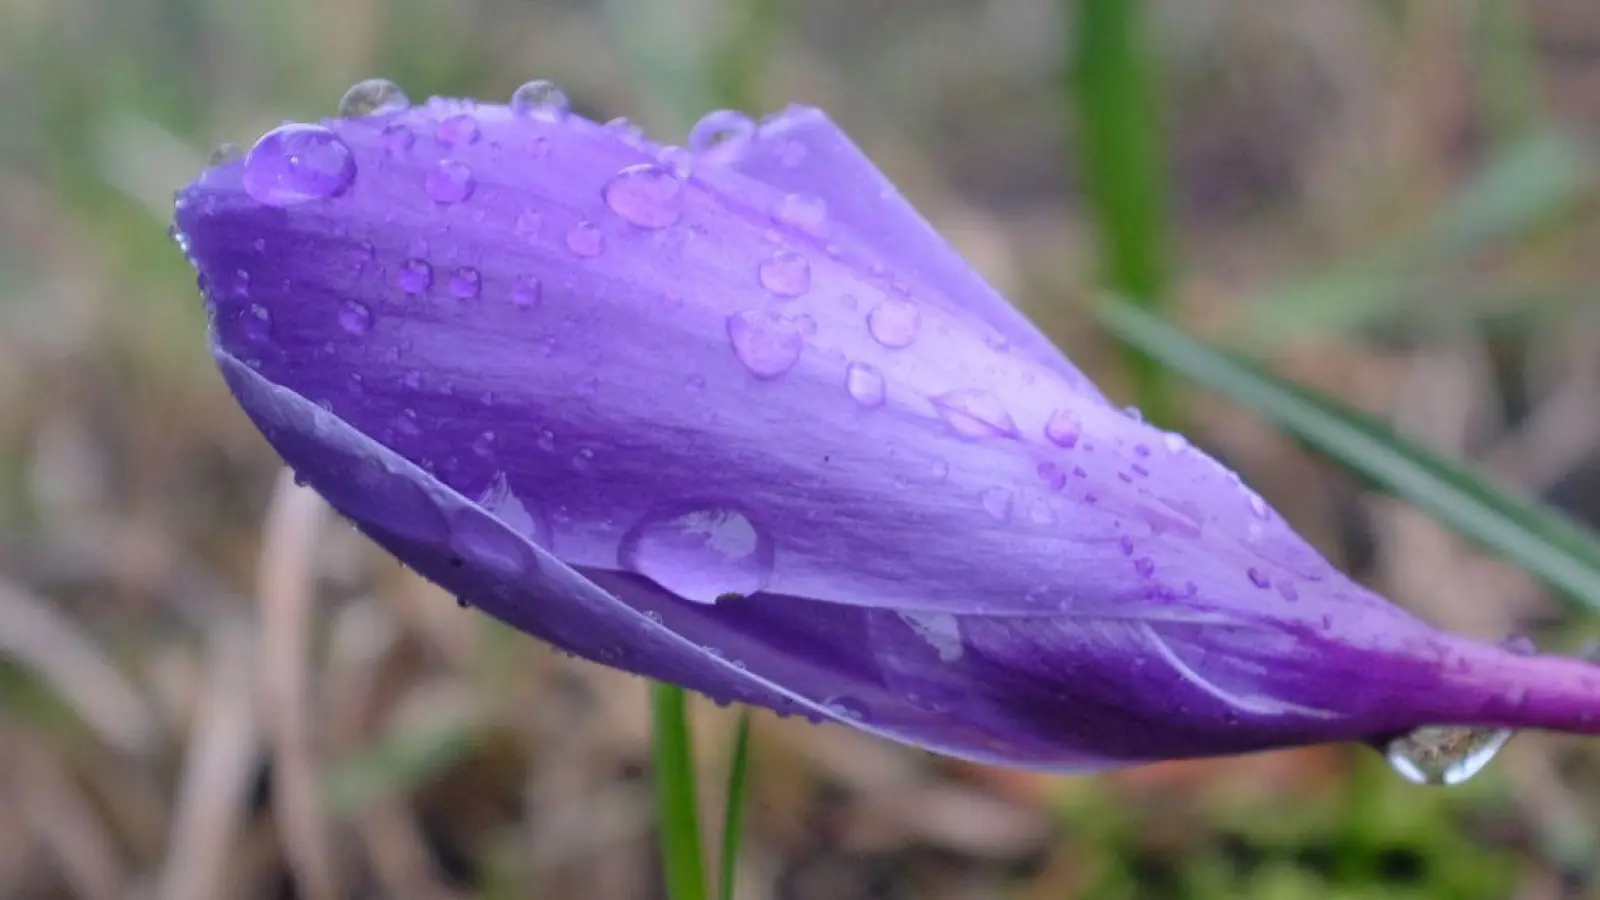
{"x": 804, "y": 458}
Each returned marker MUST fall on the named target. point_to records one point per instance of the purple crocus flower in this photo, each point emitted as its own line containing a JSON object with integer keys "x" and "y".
{"x": 734, "y": 416}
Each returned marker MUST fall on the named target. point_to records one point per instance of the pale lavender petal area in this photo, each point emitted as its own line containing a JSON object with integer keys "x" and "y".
{"x": 736, "y": 417}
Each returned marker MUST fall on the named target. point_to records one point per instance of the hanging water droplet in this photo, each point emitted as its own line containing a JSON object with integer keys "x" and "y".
{"x": 806, "y": 212}
{"x": 296, "y": 163}
{"x": 1258, "y": 506}
{"x": 526, "y": 293}
{"x": 1444, "y": 754}
{"x": 865, "y": 384}
{"x": 355, "y": 318}
{"x": 449, "y": 181}
{"x": 678, "y": 159}
{"x": 895, "y": 323}
{"x": 721, "y": 134}
{"x": 457, "y": 130}
{"x": 846, "y": 707}
{"x": 415, "y": 276}
{"x": 768, "y": 344}
{"x": 700, "y": 552}
{"x": 373, "y": 97}
{"x": 785, "y": 274}
{"x": 646, "y": 195}
{"x": 225, "y": 153}
{"x": 585, "y": 240}
{"x": 997, "y": 502}
{"x": 542, "y": 100}
{"x": 975, "y": 413}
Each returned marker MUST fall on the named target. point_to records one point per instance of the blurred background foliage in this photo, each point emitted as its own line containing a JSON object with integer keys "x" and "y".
{"x": 1390, "y": 201}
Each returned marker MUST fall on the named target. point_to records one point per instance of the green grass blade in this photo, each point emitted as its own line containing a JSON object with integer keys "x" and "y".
{"x": 733, "y": 816}
{"x": 1541, "y": 540}
{"x": 1121, "y": 141}
{"x": 677, "y": 813}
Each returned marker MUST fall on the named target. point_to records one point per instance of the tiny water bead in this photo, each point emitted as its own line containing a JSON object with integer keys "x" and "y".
{"x": 724, "y": 131}
{"x": 459, "y": 129}
{"x": 372, "y": 97}
{"x": 526, "y": 293}
{"x": 865, "y": 384}
{"x": 785, "y": 274}
{"x": 997, "y": 502}
{"x": 676, "y": 158}
{"x": 895, "y": 323}
{"x": 449, "y": 181}
{"x": 646, "y": 195}
{"x": 585, "y": 240}
{"x": 540, "y": 99}
{"x": 700, "y": 552}
{"x": 975, "y": 413}
{"x": 415, "y": 276}
{"x": 1258, "y": 578}
{"x": 465, "y": 283}
{"x": 257, "y": 324}
{"x": 297, "y": 163}
{"x": 768, "y": 344}
{"x": 355, "y": 318}
{"x": 396, "y": 138}
{"x": 806, "y": 212}
{"x": 1062, "y": 429}
{"x": 1444, "y": 754}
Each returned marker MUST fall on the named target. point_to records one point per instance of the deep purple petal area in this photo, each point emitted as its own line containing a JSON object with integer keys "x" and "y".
{"x": 816, "y": 467}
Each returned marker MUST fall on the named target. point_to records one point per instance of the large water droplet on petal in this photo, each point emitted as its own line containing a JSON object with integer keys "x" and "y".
{"x": 895, "y": 323}
{"x": 296, "y": 163}
{"x": 786, "y": 274}
{"x": 975, "y": 413}
{"x": 541, "y": 100}
{"x": 585, "y": 240}
{"x": 768, "y": 344}
{"x": 373, "y": 97}
{"x": 449, "y": 181}
{"x": 702, "y": 552}
{"x": 646, "y": 195}
{"x": 865, "y": 384}
{"x": 1444, "y": 754}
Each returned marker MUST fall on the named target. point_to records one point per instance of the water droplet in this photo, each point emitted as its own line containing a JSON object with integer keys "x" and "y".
{"x": 676, "y": 158}
{"x": 449, "y": 181}
{"x": 1444, "y": 754}
{"x": 1126, "y": 545}
{"x": 1145, "y": 566}
{"x": 942, "y": 631}
{"x": 846, "y": 707}
{"x": 1051, "y": 475}
{"x": 997, "y": 502}
{"x": 396, "y": 138}
{"x": 1040, "y": 513}
{"x": 807, "y": 212}
{"x": 465, "y": 283}
{"x": 460, "y": 129}
{"x": 721, "y": 134}
{"x": 225, "y": 153}
{"x": 547, "y": 440}
{"x": 542, "y": 100}
{"x": 415, "y": 276}
{"x": 585, "y": 240}
{"x": 865, "y": 384}
{"x": 1175, "y": 442}
{"x": 1258, "y": 578}
{"x": 355, "y": 318}
{"x": 768, "y": 344}
{"x": 373, "y": 97}
{"x": 895, "y": 323}
{"x": 975, "y": 413}
{"x": 1258, "y": 506}
{"x": 785, "y": 273}
{"x": 483, "y": 445}
{"x": 1134, "y": 413}
{"x": 526, "y": 293}
{"x": 1287, "y": 590}
{"x": 700, "y": 552}
{"x": 296, "y": 163}
{"x": 646, "y": 195}
{"x": 257, "y": 324}
{"x": 1062, "y": 429}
